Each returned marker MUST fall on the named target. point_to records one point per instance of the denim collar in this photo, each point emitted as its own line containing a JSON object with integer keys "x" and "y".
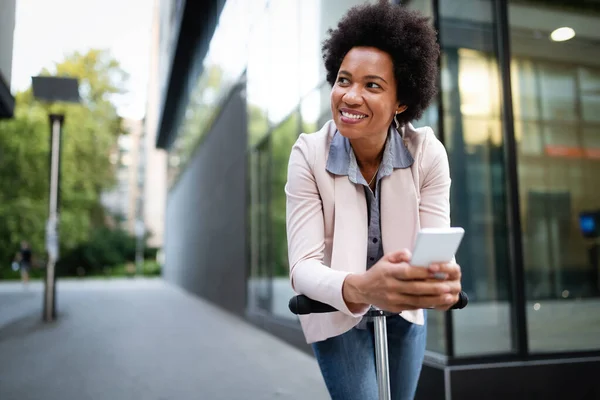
{"x": 342, "y": 161}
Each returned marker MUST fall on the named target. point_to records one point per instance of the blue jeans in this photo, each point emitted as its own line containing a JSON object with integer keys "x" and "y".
{"x": 347, "y": 361}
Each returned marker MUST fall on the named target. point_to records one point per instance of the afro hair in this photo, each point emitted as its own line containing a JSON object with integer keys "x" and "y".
{"x": 405, "y": 35}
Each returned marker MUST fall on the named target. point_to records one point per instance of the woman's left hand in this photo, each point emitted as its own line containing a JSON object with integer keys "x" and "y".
{"x": 449, "y": 272}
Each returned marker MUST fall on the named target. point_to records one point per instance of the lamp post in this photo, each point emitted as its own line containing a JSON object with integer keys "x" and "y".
{"x": 51, "y": 90}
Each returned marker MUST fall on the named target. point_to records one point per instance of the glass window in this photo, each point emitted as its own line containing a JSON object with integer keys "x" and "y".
{"x": 315, "y": 18}
{"x": 589, "y": 80}
{"x": 556, "y": 102}
{"x": 430, "y": 115}
{"x": 257, "y": 81}
{"x": 221, "y": 68}
{"x": 282, "y": 140}
{"x": 315, "y": 109}
{"x": 473, "y": 139}
{"x": 259, "y": 282}
{"x": 425, "y": 7}
{"x": 283, "y": 67}
{"x": 312, "y": 72}
{"x": 285, "y": 81}
{"x": 436, "y": 338}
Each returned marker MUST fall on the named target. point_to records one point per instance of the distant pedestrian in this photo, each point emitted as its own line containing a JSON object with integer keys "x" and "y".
{"x": 24, "y": 257}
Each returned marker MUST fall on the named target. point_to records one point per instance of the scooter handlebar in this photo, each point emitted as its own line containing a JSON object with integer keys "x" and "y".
{"x": 303, "y": 305}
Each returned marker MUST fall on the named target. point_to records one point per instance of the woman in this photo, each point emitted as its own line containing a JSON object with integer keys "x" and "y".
{"x": 358, "y": 192}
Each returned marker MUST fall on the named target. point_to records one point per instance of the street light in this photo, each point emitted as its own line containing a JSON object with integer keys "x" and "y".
{"x": 54, "y": 89}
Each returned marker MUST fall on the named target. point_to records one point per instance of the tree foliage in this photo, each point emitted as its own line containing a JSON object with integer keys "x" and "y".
{"x": 90, "y": 131}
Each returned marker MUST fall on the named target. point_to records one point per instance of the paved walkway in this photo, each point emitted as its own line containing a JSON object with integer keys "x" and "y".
{"x": 141, "y": 339}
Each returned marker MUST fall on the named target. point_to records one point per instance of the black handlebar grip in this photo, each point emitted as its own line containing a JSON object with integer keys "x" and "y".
{"x": 302, "y": 305}
{"x": 462, "y": 302}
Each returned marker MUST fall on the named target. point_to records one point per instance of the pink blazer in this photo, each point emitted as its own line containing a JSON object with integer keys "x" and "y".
{"x": 327, "y": 220}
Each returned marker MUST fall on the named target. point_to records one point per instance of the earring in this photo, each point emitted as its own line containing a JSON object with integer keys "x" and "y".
{"x": 396, "y": 122}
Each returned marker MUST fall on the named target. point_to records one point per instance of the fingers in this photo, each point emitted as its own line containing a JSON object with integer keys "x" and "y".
{"x": 450, "y": 271}
{"x": 443, "y": 271}
{"x": 421, "y": 294}
{"x": 448, "y": 305}
{"x": 417, "y": 302}
{"x": 397, "y": 285}
{"x": 432, "y": 287}
{"x": 399, "y": 256}
{"x": 426, "y": 294}
{"x": 406, "y": 272}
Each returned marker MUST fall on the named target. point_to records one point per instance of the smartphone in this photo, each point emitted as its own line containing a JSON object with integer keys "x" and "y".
{"x": 436, "y": 245}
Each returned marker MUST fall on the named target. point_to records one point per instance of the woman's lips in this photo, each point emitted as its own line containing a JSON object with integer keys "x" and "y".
{"x": 348, "y": 119}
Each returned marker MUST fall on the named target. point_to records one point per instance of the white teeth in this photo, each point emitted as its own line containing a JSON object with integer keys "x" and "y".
{"x": 353, "y": 116}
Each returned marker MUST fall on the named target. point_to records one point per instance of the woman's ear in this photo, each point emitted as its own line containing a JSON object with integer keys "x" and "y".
{"x": 401, "y": 109}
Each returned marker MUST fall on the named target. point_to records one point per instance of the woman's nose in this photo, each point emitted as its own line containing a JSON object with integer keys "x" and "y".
{"x": 352, "y": 96}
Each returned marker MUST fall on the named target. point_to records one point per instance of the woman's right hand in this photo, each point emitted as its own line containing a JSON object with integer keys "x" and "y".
{"x": 394, "y": 285}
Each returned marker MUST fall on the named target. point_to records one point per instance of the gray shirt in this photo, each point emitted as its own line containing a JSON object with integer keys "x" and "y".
{"x": 342, "y": 161}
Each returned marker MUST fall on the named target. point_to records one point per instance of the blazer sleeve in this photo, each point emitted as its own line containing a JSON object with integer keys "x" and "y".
{"x": 306, "y": 232}
{"x": 434, "y": 208}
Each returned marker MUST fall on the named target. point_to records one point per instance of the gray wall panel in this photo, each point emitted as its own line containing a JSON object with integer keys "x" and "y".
{"x": 205, "y": 243}
{"x": 7, "y": 30}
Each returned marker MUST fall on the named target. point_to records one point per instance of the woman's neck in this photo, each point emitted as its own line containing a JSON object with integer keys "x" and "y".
{"x": 369, "y": 151}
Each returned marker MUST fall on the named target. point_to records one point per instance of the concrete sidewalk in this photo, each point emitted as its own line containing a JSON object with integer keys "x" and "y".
{"x": 141, "y": 339}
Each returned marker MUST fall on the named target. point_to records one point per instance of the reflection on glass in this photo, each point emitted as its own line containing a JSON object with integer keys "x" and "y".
{"x": 425, "y": 7}
{"x": 257, "y": 81}
{"x": 310, "y": 108}
{"x": 473, "y": 139}
{"x": 259, "y": 282}
{"x": 222, "y": 67}
{"x": 436, "y": 336}
{"x": 430, "y": 115}
{"x": 311, "y": 70}
{"x": 557, "y": 124}
{"x": 282, "y": 140}
{"x": 589, "y": 81}
{"x": 282, "y": 71}
{"x": 315, "y": 109}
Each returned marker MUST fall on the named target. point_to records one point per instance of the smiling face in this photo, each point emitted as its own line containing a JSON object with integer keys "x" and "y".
{"x": 363, "y": 99}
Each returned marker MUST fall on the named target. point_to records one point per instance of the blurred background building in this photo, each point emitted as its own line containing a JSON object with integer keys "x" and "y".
{"x": 155, "y": 160}
{"x": 137, "y": 200}
{"x": 144, "y": 177}
{"x": 7, "y": 29}
{"x": 234, "y": 83}
{"x": 127, "y": 159}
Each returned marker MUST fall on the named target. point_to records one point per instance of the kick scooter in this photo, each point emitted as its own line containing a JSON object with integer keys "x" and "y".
{"x": 302, "y": 305}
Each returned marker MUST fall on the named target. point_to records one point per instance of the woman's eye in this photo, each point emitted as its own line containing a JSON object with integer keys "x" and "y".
{"x": 342, "y": 81}
{"x": 373, "y": 85}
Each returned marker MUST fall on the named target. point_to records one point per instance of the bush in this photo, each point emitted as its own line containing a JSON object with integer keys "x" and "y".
{"x": 149, "y": 268}
{"x": 34, "y": 273}
{"x": 108, "y": 252}
{"x": 106, "y": 248}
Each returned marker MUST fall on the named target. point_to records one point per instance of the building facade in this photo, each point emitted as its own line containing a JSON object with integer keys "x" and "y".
{"x": 154, "y": 160}
{"x": 140, "y": 167}
{"x": 126, "y": 157}
{"x": 7, "y": 31}
{"x": 135, "y": 201}
{"x": 519, "y": 113}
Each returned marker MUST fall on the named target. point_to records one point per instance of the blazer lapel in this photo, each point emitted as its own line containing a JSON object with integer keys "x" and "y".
{"x": 349, "y": 250}
{"x": 399, "y": 211}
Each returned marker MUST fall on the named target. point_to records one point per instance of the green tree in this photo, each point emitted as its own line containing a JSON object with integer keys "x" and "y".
{"x": 90, "y": 132}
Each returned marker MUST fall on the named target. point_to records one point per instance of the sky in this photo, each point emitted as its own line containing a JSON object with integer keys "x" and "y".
{"x": 47, "y": 30}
